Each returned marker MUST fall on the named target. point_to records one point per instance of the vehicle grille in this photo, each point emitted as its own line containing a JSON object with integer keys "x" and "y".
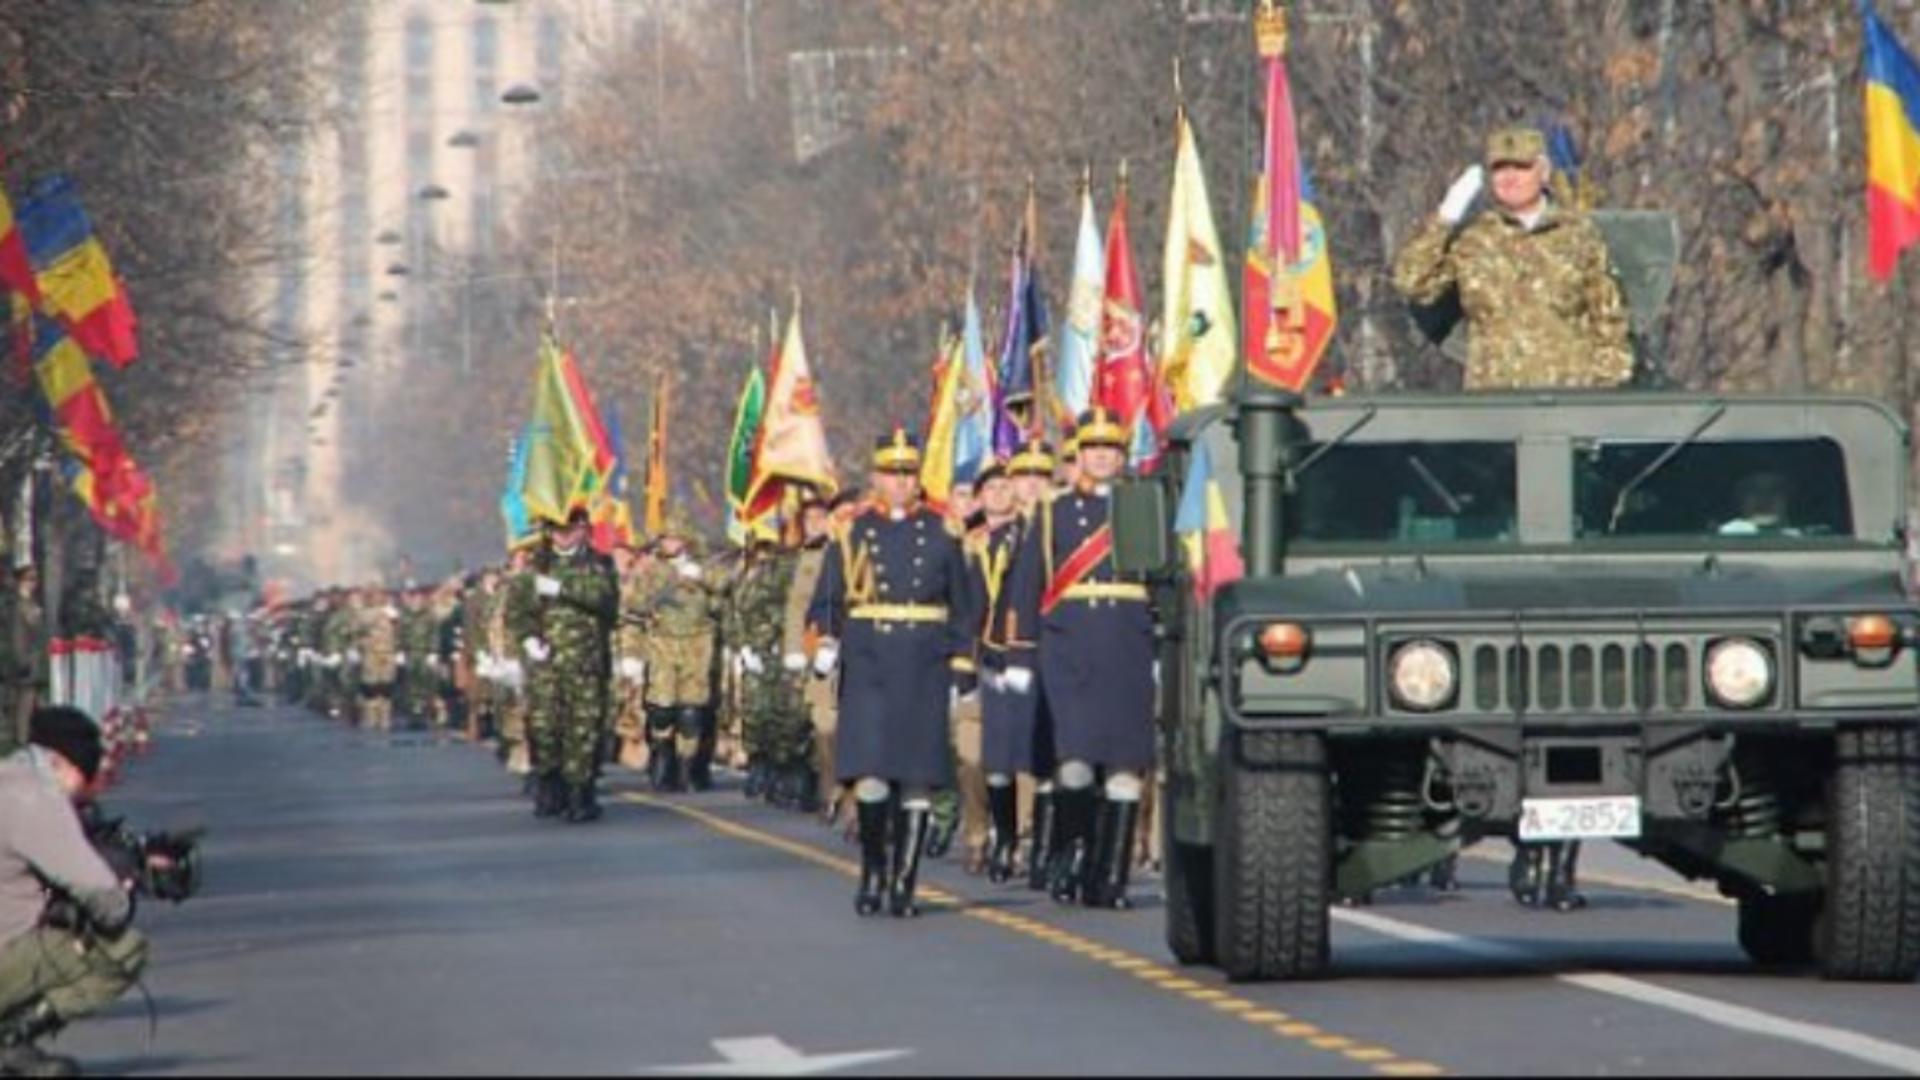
{"x": 1579, "y": 674}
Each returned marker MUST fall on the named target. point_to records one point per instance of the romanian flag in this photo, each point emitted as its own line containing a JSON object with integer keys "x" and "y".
{"x": 79, "y": 408}
{"x": 1198, "y": 332}
{"x": 76, "y": 279}
{"x": 569, "y": 455}
{"x": 1893, "y": 147}
{"x": 1289, "y": 314}
{"x": 792, "y": 446}
{"x": 1201, "y": 522}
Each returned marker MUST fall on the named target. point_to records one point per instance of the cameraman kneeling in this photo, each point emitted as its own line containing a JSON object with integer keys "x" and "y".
{"x": 53, "y": 974}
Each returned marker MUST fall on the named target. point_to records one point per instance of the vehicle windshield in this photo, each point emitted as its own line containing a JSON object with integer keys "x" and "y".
{"x": 1733, "y": 490}
{"x": 1406, "y": 492}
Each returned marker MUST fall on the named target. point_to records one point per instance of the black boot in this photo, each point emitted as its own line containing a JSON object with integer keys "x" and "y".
{"x": 663, "y": 764}
{"x": 1524, "y": 875}
{"x": 1561, "y": 894}
{"x": 1073, "y": 811}
{"x": 19, "y": 1031}
{"x": 582, "y": 805}
{"x": 1001, "y": 802}
{"x": 756, "y": 778}
{"x": 1106, "y": 885}
{"x": 873, "y": 818}
{"x": 1445, "y": 875}
{"x": 1040, "y": 846}
{"x": 700, "y": 766}
{"x": 806, "y": 789}
{"x": 549, "y": 796}
{"x": 909, "y": 843}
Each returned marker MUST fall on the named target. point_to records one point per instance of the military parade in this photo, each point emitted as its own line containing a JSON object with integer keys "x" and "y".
{"x": 1462, "y": 619}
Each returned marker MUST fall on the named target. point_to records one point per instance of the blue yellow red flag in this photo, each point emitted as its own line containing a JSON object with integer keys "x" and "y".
{"x": 76, "y": 280}
{"x": 1205, "y": 530}
{"x": 1893, "y": 147}
{"x": 937, "y": 457}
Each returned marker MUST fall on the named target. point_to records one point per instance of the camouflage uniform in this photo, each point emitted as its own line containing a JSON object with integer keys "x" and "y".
{"x": 475, "y": 607}
{"x": 379, "y": 644}
{"x": 337, "y": 643}
{"x": 418, "y": 641}
{"x": 822, "y": 695}
{"x": 569, "y": 687}
{"x": 1542, "y": 304}
{"x": 676, "y": 598}
{"x": 630, "y": 657}
{"x": 517, "y": 618}
{"x": 775, "y": 724}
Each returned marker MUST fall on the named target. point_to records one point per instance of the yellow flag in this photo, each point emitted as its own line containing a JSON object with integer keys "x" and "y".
{"x": 936, "y": 461}
{"x": 656, "y": 511}
{"x": 1199, "y": 335}
{"x": 793, "y": 440}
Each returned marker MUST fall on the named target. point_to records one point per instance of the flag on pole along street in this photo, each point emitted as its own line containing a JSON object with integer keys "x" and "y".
{"x": 1201, "y": 522}
{"x": 76, "y": 281}
{"x": 1025, "y": 343}
{"x": 1199, "y": 335}
{"x": 1893, "y": 146}
{"x": 1079, "y": 356}
{"x": 1287, "y": 297}
{"x": 937, "y": 454}
{"x": 1125, "y": 381}
{"x": 16, "y": 265}
{"x": 792, "y": 448}
{"x": 610, "y": 514}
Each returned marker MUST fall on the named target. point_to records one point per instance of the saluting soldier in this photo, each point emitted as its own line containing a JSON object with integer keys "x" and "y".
{"x": 1084, "y": 637}
{"x": 1534, "y": 279}
{"x": 679, "y": 615}
{"x": 893, "y": 607}
{"x": 576, "y": 595}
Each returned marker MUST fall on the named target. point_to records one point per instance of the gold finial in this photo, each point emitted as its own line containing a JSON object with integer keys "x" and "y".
{"x": 1123, "y": 175}
{"x": 1086, "y": 177}
{"x": 1270, "y": 30}
{"x": 1179, "y": 91}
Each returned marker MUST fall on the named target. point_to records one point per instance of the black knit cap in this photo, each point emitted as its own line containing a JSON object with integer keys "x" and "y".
{"x": 71, "y": 734}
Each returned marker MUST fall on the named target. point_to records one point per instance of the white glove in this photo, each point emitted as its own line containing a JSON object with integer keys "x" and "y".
{"x": 1466, "y": 187}
{"x": 633, "y": 669}
{"x": 1018, "y": 679}
{"x": 483, "y": 666}
{"x": 1156, "y": 673}
{"x": 687, "y": 568}
{"x": 794, "y": 662}
{"x": 392, "y": 612}
{"x": 546, "y": 586}
{"x": 513, "y": 675}
{"x": 995, "y": 682}
{"x": 353, "y": 656}
{"x": 536, "y": 650}
{"x": 751, "y": 661}
{"x": 399, "y": 659}
{"x": 826, "y": 658}
{"x": 333, "y": 659}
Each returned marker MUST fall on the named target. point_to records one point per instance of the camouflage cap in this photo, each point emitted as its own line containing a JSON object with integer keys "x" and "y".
{"x": 1515, "y": 146}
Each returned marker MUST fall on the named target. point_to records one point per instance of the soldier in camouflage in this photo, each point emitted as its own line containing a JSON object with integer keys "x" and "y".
{"x": 821, "y": 694}
{"x": 677, "y": 599}
{"x": 1534, "y": 279}
{"x": 776, "y": 725}
{"x": 337, "y": 642}
{"x": 379, "y": 647}
{"x": 630, "y": 659}
{"x": 511, "y": 621}
{"x": 575, "y": 595}
{"x": 417, "y": 650}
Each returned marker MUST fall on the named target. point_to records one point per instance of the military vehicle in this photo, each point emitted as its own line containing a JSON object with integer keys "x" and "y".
{"x": 1679, "y": 621}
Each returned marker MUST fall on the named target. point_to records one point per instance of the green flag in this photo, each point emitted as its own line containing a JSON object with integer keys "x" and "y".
{"x": 740, "y": 448}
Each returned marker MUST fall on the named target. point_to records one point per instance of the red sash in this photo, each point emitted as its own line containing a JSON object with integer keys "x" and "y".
{"x": 1078, "y": 565}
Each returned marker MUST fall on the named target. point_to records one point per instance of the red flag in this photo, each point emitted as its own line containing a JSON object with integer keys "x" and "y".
{"x": 1123, "y": 384}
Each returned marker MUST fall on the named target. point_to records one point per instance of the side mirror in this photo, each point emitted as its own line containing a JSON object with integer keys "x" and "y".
{"x": 1141, "y": 528}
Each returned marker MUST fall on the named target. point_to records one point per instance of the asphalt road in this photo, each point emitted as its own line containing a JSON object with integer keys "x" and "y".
{"x": 387, "y": 904}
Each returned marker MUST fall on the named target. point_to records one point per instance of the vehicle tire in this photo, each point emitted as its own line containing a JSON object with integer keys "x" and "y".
{"x": 1188, "y": 881}
{"x": 1272, "y": 857}
{"x": 1870, "y": 924}
{"x": 1778, "y": 931}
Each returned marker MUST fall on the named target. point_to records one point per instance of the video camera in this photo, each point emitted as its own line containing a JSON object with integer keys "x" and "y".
{"x": 161, "y": 865}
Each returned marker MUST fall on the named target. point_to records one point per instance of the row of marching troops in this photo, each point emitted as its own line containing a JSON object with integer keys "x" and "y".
{"x": 920, "y": 676}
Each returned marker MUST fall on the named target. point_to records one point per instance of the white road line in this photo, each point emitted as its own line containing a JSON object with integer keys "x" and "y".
{"x": 1833, "y": 1040}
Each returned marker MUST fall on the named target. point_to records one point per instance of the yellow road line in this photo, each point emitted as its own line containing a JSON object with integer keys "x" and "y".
{"x": 1228, "y": 1004}
{"x": 1696, "y": 893}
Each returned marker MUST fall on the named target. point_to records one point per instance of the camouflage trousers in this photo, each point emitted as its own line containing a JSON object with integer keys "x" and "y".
{"x": 565, "y": 723}
{"x": 775, "y": 724}
{"x": 679, "y": 670}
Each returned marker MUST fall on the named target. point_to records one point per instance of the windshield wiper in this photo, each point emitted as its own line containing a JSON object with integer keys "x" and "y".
{"x": 1454, "y": 505}
{"x": 1626, "y": 491}
{"x": 1319, "y": 452}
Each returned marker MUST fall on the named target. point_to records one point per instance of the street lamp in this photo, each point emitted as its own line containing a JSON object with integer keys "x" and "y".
{"x": 397, "y": 269}
{"x": 520, "y": 94}
{"x": 387, "y": 237}
{"x": 433, "y": 193}
{"x": 463, "y": 140}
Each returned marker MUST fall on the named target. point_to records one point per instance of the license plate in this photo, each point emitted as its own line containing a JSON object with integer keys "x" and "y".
{"x": 1603, "y": 817}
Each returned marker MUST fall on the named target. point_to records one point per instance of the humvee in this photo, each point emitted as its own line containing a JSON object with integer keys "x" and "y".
{"x": 1679, "y": 621}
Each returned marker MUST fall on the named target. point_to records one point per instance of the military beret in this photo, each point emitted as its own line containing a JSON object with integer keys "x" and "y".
{"x": 1515, "y": 146}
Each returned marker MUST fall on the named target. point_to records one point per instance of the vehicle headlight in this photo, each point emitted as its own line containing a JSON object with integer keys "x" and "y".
{"x": 1739, "y": 673}
{"x": 1423, "y": 676}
